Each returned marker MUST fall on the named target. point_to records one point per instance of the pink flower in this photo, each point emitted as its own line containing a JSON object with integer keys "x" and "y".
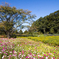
{"x": 53, "y": 57}
{"x": 22, "y": 52}
{"x": 26, "y": 56}
{"x": 51, "y": 49}
{"x": 54, "y": 52}
{"x": 18, "y": 44}
{"x": 30, "y": 53}
{"x": 49, "y": 53}
{"x": 35, "y": 54}
{"x": 57, "y": 57}
{"x": 44, "y": 54}
{"x": 0, "y": 42}
{"x": 38, "y": 56}
{"x": 35, "y": 47}
{"x": 13, "y": 51}
{"x": 10, "y": 55}
{"x": 3, "y": 49}
{"x": 14, "y": 55}
{"x": 42, "y": 57}
{"x": 19, "y": 52}
{"x": 4, "y": 52}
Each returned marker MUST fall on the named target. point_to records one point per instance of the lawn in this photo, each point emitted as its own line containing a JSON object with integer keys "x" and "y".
{"x": 26, "y": 48}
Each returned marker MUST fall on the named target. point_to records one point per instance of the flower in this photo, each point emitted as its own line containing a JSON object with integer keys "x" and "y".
{"x": 49, "y": 53}
{"x": 22, "y": 52}
{"x": 3, "y": 57}
{"x": 42, "y": 57}
{"x": 44, "y": 54}
{"x": 54, "y": 52}
{"x": 3, "y": 49}
{"x": 26, "y": 56}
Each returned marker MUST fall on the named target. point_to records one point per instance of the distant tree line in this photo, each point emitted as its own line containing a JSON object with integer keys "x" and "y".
{"x": 46, "y": 25}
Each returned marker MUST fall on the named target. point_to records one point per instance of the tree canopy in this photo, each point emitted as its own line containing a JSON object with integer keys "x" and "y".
{"x": 47, "y": 25}
{"x": 12, "y": 18}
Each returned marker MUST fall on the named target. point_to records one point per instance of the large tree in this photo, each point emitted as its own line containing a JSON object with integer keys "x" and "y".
{"x": 12, "y": 18}
{"x": 48, "y": 24}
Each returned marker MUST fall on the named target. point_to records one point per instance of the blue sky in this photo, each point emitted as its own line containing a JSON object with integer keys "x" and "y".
{"x": 40, "y": 8}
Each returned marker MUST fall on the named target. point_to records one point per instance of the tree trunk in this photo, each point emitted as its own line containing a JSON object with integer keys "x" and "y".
{"x": 8, "y": 35}
{"x": 44, "y": 30}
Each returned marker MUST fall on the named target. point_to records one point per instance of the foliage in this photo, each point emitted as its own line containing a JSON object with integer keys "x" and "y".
{"x": 20, "y": 32}
{"x": 13, "y": 18}
{"x": 47, "y": 25}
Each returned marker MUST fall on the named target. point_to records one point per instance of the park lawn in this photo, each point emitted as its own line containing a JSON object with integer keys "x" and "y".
{"x": 26, "y": 48}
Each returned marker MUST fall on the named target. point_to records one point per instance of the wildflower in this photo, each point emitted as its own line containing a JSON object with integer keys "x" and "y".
{"x": 42, "y": 57}
{"x": 30, "y": 53}
{"x": 3, "y": 49}
{"x": 4, "y": 52}
{"x": 26, "y": 56}
{"x": 0, "y": 42}
{"x": 22, "y": 52}
{"x": 15, "y": 52}
{"x": 46, "y": 57}
{"x": 10, "y": 55}
{"x": 10, "y": 52}
{"x": 14, "y": 55}
{"x": 18, "y": 44}
{"x": 0, "y": 52}
{"x": 57, "y": 57}
{"x": 49, "y": 53}
{"x": 3, "y": 57}
{"x": 44, "y": 54}
{"x": 53, "y": 57}
{"x": 54, "y": 52}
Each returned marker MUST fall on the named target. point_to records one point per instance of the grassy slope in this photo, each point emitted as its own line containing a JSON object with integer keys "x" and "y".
{"x": 30, "y": 46}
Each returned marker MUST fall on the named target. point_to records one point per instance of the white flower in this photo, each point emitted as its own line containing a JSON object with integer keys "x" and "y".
{"x": 33, "y": 58}
{"x": 43, "y": 52}
{"x": 40, "y": 56}
{"x": 22, "y": 55}
{"x": 51, "y": 57}
{"x": 46, "y": 57}
{"x": 18, "y": 44}
{"x": 0, "y": 52}
{"x": 15, "y": 52}
{"x": 10, "y": 52}
{"x": 2, "y": 56}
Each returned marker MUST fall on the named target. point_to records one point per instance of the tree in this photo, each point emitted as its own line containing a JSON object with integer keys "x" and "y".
{"x": 13, "y": 18}
{"x": 26, "y": 32}
{"x": 48, "y": 24}
{"x": 20, "y": 32}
